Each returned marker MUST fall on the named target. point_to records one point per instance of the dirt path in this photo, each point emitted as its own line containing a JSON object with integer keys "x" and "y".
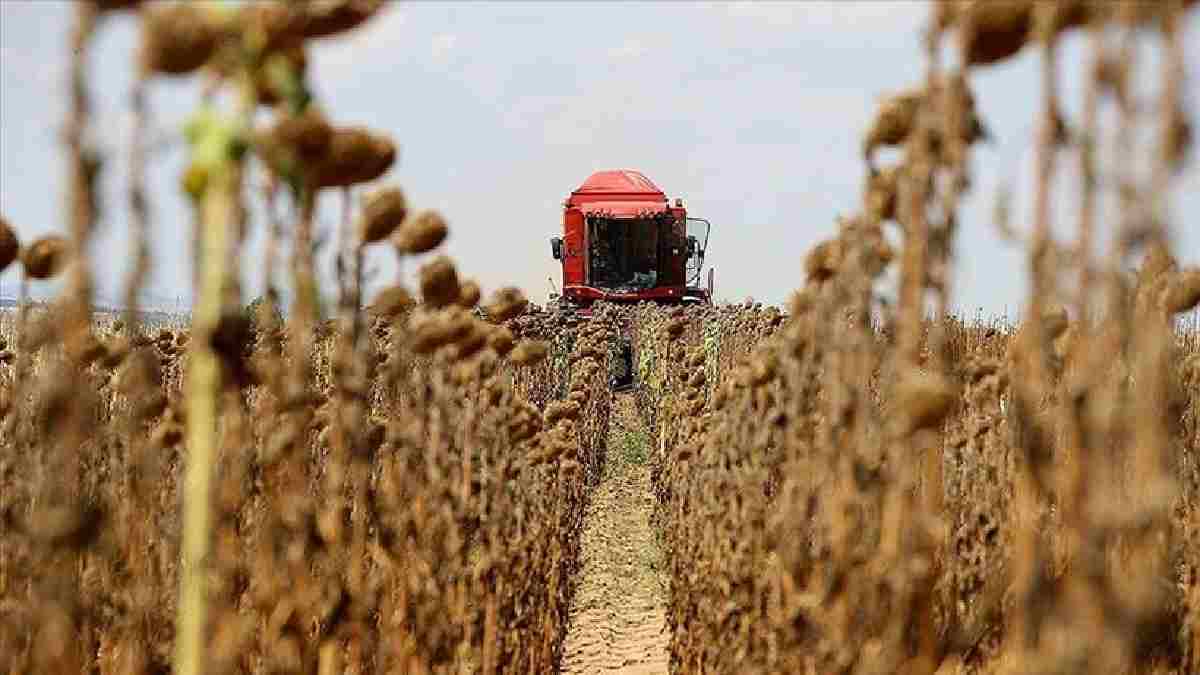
{"x": 618, "y": 619}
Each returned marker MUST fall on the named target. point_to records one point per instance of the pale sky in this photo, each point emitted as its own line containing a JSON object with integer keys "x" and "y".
{"x": 750, "y": 111}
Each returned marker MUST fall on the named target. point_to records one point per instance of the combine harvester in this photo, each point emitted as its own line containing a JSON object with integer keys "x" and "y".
{"x": 623, "y": 242}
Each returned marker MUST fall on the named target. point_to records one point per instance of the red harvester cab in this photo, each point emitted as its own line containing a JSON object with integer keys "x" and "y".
{"x": 623, "y": 242}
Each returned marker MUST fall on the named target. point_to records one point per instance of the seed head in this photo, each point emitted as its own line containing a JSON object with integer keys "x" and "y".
{"x": 383, "y": 211}
{"x": 355, "y": 155}
{"x": 894, "y": 120}
{"x": 177, "y": 38}
{"x": 46, "y": 257}
{"x": 529, "y": 353}
{"x": 881, "y": 191}
{"x": 439, "y": 282}
{"x": 84, "y": 347}
{"x": 675, "y": 328}
{"x": 763, "y": 368}
{"x": 824, "y": 260}
{"x": 423, "y": 233}
{"x": 501, "y": 340}
{"x": 1184, "y": 292}
{"x": 430, "y": 330}
{"x": 506, "y": 303}
{"x": 392, "y": 302}
{"x": 469, "y": 294}
{"x": 115, "y": 5}
{"x": 474, "y": 339}
{"x": 923, "y": 399}
{"x": 561, "y": 410}
{"x": 10, "y": 246}
{"x": 331, "y": 17}
{"x": 296, "y": 143}
{"x": 897, "y": 115}
{"x": 991, "y": 30}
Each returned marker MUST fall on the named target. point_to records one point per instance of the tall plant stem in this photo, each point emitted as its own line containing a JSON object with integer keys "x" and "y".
{"x": 218, "y": 211}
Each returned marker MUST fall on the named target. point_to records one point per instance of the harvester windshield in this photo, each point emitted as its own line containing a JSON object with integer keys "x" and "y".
{"x": 624, "y": 252}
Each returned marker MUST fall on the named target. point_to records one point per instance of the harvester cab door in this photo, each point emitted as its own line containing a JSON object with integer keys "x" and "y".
{"x": 672, "y": 251}
{"x": 572, "y": 249}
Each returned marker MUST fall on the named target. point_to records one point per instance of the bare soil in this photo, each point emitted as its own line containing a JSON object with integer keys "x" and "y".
{"x": 618, "y": 617}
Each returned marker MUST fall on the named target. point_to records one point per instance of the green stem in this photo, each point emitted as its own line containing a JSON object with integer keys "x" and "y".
{"x": 218, "y": 210}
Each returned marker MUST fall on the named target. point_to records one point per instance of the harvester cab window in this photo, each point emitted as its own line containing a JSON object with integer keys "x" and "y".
{"x": 697, "y": 242}
{"x": 624, "y": 252}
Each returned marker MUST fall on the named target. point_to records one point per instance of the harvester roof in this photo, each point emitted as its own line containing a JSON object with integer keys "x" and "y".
{"x": 621, "y": 193}
{"x": 624, "y": 181}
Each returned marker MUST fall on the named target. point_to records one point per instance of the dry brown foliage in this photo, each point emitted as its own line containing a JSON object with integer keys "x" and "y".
{"x": 397, "y": 490}
{"x": 850, "y": 487}
{"x": 862, "y": 489}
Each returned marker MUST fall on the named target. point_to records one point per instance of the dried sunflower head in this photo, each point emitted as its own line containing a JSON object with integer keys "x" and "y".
{"x": 1184, "y": 292}
{"x": 993, "y": 30}
{"x": 115, "y": 5}
{"x": 355, "y": 155}
{"x": 529, "y": 353}
{"x": 501, "y": 340}
{"x": 472, "y": 341}
{"x": 430, "y": 330}
{"x": 675, "y": 328}
{"x": 391, "y": 302}
{"x": 469, "y": 294}
{"x": 177, "y": 38}
{"x": 295, "y": 143}
{"x": 506, "y": 303}
{"x": 46, "y": 257}
{"x": 881, "y": 190}
{"x": 894, "y": 120}
{"x": 383, "y": 211}
{"x": 324, "y": 18}
{"x": 10, "y": 246}
{"x": 439, "y": 282}
{"x": 422, "y": 233}
{"x": 923, "y": 400}
{"x": 824, "y": 260}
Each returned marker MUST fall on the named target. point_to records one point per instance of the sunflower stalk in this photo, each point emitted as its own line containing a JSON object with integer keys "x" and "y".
{"x": 218, "y": 149}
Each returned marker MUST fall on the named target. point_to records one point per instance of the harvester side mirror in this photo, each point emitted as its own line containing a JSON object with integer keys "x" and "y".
{"x": 692, "y": 245}
{"x": 556, "y": 247}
